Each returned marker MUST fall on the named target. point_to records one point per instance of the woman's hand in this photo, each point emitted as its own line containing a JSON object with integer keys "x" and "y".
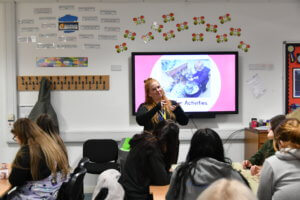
{"x": 173, "y": 107}
{"x": 255, "y": 170}
{"x": 246, "y": 164}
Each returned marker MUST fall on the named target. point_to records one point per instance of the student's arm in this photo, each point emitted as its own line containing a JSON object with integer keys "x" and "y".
{"x": 181, "y": 117}
{"x": 266, "y": 189}
{"x": 19, "y": 176}
{"x": 144, "y": 116}
{"x": 260, "y": 156}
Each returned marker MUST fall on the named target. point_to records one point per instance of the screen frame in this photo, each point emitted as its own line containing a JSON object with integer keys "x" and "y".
{"x": 206, "y": 114}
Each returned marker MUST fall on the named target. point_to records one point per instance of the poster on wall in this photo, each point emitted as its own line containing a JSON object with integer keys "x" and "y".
{"x": 292, "y": 60}
{"x": 62, "y": 61}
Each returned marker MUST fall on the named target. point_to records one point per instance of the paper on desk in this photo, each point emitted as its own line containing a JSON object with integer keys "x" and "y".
{"x": 3, "y": 173}
{"x": 256, "y": 86}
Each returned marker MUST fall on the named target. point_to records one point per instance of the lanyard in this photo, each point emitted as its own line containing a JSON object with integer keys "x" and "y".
{"x": 162, "y": 115}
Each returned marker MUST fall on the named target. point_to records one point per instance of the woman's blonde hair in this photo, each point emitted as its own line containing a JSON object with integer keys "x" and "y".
{"x": 40, "y": 145}
{"x": 47, "y": 124}
{"x": 227, "y": 189}
{"x": 150, "y": 102}
{"x": 289, "y": 132}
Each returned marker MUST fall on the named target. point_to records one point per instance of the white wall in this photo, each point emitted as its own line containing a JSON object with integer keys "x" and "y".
{"x": 265, "y": 25}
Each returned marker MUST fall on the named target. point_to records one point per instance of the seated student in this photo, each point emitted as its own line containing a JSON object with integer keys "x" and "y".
{"x": 40, "y": 166}
{"x": 144, "y": 166}
{"x": 167, "y": 131}
{"x": 47, "y": 124}
{"x": 227, "y": 189}
{"x": 205, "y": 163}
{"x": 266, "y": 150}
{"x": 280, "y": 174}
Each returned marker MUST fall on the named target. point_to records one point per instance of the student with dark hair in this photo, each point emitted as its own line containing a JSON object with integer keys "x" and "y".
{"x": 266, "y": 149}
{"x": 167, "y": 133}
{"x": 280, "y": 174}
{"x": 144, "y": 166}
{"x": 47, "y": 124}
{"x": 205, "y": 163}
{"x": 157, "y": 107}
{"x": 40, "y": 166}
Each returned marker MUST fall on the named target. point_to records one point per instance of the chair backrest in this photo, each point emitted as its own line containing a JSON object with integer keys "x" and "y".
{"x": 101, "y": 150}
{"x": 81, "y": 164}
{"x": 72, "y": 190}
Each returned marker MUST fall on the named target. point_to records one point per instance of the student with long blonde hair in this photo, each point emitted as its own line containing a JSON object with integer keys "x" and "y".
{"x": 40, "y": 166}
{"x": 157, "y": 107}
{"x": 47, "y": 124}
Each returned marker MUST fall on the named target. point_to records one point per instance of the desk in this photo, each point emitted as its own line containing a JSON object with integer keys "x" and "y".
{"x": 4, "y": 187}
{"x": 253, "y": 180}
{"x": 159, "y": 192}
{"x": 4, "y": 183}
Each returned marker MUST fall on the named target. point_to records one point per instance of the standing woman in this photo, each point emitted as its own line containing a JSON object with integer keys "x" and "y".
{"x": 40, "y": 166}
{"x": 280, "y": 174}
{"x": 157, "y": 107}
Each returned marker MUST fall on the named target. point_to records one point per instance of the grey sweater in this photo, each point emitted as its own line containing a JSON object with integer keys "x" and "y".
{"x": 206, "y": 172}
{"x": 280, "y": 176}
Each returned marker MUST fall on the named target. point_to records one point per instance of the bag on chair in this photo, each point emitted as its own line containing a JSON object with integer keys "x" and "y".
{"x": 108, "y": 187}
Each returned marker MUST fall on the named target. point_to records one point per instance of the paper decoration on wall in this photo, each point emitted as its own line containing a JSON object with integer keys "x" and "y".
{"x": 182, "y": 26}
{"x": 129, "y": 34}
{"x": 197, "y": 37}
{"x": 211, "y": 28}
{"x": 199, "y": 20}
{"x": 225, "y": 18}
{"x": 121, "y": 47}
{"x": 244, "y": 46}
{"x": 62, "y": 61}
{"x": 139, "y": 20}
{"x": 168, "y": 18}
{"x": 256, "y": 86}
{"x": 222, "y": 38}
{"x": 146, "y": 38}
{"x": 68, "y": 24}
{"x": 157, "y": 27}
{"x": 235, "y": 31}
{"x": 169, "y": 35}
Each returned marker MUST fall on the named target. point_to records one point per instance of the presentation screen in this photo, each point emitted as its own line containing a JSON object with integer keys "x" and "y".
{"x": 204, "y": 83}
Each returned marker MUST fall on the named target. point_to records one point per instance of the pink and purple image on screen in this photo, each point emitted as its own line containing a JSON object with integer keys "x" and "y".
{"x": 199, "y": 82}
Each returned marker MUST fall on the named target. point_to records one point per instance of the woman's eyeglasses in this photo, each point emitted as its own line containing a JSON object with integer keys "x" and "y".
{"x": 14, "y": 138}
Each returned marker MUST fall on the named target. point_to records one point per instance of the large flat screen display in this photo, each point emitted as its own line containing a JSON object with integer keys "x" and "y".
{"x": 204, "y": 83}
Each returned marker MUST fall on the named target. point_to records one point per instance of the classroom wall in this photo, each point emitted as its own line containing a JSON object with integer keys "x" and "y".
{"x": 265, "y": 25}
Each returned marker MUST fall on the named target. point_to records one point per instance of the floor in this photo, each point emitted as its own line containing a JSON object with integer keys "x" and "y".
{"x": 88, "y": 196}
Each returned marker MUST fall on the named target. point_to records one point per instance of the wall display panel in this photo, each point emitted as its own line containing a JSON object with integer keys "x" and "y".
{"x": 107, "y": 34}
